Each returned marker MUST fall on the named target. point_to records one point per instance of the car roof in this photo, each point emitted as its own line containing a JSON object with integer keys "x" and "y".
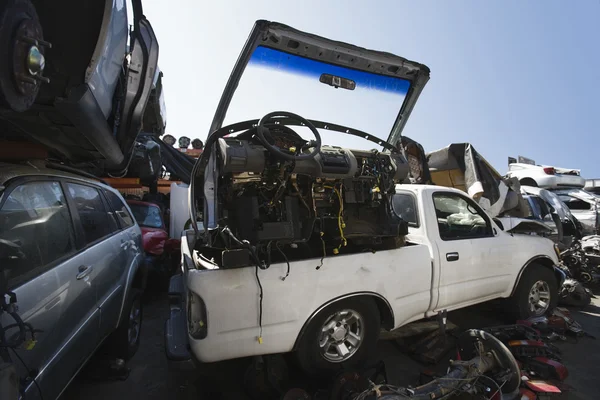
{"x": 9, "y": 171}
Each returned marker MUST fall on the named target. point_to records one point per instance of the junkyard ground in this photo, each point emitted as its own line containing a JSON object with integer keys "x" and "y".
{"x": 153, "y": 377}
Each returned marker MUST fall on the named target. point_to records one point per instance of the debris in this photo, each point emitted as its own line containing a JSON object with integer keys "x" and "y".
{"x": 573, "y": 293}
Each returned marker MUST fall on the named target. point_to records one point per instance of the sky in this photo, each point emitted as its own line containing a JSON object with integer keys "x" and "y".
{"x": 510, "y": 77}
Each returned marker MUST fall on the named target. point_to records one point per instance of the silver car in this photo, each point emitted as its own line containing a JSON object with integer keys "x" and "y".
{"x": 73, "y": 254}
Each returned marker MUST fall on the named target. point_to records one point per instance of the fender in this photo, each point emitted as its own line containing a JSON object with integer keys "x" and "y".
{"x": 382, "y": 304}
{"x": 136, "y": 264}
{"x": 546, "y": 262}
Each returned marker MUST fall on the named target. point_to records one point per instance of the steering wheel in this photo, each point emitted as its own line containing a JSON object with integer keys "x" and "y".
{"x": 262, "y": 129}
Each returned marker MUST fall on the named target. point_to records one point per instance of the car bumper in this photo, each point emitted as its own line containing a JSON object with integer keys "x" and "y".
{"x": 555, "y": 181}
{"x": 176, "y": 333}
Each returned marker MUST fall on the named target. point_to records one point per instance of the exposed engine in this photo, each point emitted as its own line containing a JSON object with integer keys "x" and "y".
{"x": 325, "y": 200}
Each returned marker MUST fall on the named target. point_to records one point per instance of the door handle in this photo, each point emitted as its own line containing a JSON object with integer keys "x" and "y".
{"x": 84, "y": 271}
{"x": 125, "y": 244}
{"x": 452, "y": 256}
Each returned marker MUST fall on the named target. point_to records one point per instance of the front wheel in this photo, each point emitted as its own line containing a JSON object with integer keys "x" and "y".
{"x": 536, "y": 294}
{"x": 341, "y": 335}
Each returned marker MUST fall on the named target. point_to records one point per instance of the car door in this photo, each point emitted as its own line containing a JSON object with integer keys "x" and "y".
{"x": 128, "y": 239}
{"x": 475, "y": 262}
{"x": 45, "y": 274}
{"x": 100, "y": 236}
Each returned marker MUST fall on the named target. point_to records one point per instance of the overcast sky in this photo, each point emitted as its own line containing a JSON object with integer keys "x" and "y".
{"x": 511, "y": 77}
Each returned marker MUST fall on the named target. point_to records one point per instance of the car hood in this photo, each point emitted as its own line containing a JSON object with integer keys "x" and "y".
{"x": 282, "y": 38}
{"x": 521, "y": 225}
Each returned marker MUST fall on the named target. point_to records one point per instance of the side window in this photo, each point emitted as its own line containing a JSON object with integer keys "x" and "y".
{"x": 125, "y": 219}
{"x": 35, "y": 229}
{"x": 405, "y": 207}
{"x": 459, "y": 218}
{"x": 92, "y": 213}
{"x": 575, "y": 204}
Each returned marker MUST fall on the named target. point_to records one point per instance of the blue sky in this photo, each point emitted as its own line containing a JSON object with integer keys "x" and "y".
{"x": 511, "y": 77}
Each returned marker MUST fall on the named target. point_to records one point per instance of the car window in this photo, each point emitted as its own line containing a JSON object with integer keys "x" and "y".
{"x": 93, "y": 215}
{"x": 35, "y": 229}
{"x": 147, "y": 215}
{"x": 123, "y": 216}
{"x": 459, "y": 218}
{"x": 405, "y": 207}
{"x": 575, "y": 204}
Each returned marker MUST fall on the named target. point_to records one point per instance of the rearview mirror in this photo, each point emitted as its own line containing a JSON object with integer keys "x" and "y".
{"x": 337, "y": 82}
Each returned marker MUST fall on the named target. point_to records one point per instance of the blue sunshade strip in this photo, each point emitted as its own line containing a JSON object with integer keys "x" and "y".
{"x": 275, "y": 59}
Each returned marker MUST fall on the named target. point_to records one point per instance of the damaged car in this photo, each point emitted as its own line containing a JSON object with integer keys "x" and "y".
{"x": 545, "y": 176}
{"x": 313, "y": 238}
{"x": 77, "y": 91}
{"x": 585, "y": 207}
{"x": 462, "y": 167}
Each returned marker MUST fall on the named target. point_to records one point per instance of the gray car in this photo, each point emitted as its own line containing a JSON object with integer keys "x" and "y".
{"x": 73, "y": 253}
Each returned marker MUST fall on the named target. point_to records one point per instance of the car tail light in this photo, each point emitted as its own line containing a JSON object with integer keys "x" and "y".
{"x": 549, "y": 170}
{"x": 196, "y": 314}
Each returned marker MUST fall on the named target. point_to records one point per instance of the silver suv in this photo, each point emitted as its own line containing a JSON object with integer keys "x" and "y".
{"x": 73, "y": 253}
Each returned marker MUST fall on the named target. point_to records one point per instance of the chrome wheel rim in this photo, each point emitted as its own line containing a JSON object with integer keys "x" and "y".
{"x": 341, "y": 336}
{"x": 135, "y": 321}
{"x": 539, "y": 298}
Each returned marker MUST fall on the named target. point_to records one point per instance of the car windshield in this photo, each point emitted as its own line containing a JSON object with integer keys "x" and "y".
{"x": 147, "y": 215}
{"x": 579, "y": 193}
{"x": 278, "y": 81}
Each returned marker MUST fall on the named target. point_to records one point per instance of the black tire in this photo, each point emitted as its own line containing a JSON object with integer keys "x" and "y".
{"x": 120, "y": 345}
{"x": 308, "y": 352}
{"x": 534, "y": 273}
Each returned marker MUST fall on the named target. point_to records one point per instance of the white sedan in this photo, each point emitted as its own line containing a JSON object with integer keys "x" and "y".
{"x": 545, "y": 176}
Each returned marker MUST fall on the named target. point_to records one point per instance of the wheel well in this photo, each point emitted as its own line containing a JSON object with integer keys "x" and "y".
{"x": 528, "y": 182}
{"x": 543, "y": 261}
{"x": 385, "y": 311}
{"x": 140, "y": 278}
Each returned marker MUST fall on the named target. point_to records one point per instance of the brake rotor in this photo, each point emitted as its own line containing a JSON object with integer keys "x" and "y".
{"x": 22, "y": 49}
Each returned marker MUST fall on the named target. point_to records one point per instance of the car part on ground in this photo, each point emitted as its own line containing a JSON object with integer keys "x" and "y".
{"x": 485, "y": 366}
{"x": 460, "y": 166}
{"x": 573, "y": 293}
{"x": 77, "y": 88}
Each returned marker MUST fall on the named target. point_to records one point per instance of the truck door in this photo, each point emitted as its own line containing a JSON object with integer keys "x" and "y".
{"x": 469, "y": 253}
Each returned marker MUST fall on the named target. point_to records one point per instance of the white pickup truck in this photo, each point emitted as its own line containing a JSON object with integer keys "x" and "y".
{"x": 455, "y": 256}
{"x": 315, "y": 247}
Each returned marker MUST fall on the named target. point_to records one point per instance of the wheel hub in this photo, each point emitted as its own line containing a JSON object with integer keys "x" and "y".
{"x": 22, "y": 38}
{"x": 339, "y": 333}
{"x": 539, "y": 298}
{"x": 28, "y": 58}
{"x": 341, "y": 336}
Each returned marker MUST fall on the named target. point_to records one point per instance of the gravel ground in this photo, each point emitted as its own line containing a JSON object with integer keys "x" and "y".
{"x": 152, "y": 376}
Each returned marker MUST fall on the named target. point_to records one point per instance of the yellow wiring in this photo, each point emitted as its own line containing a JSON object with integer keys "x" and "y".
{"x": 341, "y": 224}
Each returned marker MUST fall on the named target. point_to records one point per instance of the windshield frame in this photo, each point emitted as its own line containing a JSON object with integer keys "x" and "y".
{"x": 284, "y": 38}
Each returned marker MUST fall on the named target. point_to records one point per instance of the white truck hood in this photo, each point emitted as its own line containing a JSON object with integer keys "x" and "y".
{"x": 521, "y": 225}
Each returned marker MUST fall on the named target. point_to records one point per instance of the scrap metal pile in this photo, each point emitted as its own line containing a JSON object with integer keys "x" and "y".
{"x": 496, "y": 363}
